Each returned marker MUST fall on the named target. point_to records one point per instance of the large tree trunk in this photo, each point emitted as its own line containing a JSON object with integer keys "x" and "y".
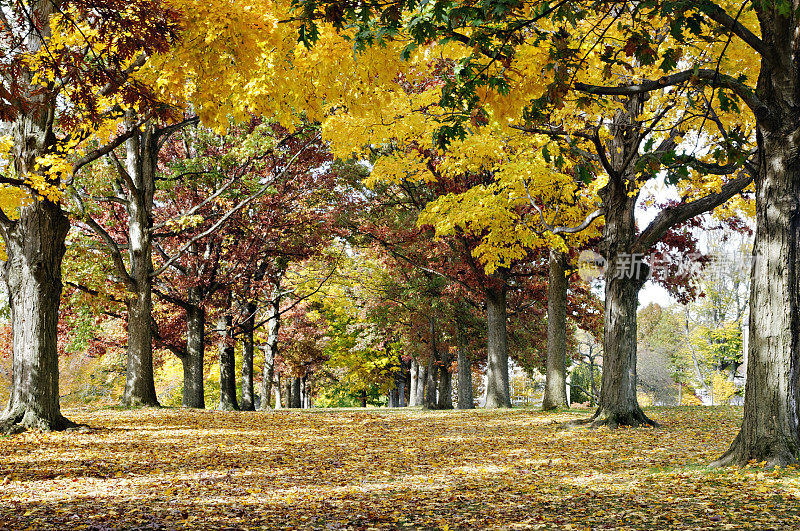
{"x": 555, "y": 387}
{"x": 498, "y": 392}
{"x": 35, "y": 248}
{"x": 625, "y": 276}
{"x": 193, "y": 392}
{"x": 227, "y": 365}
{"x": 770, "y": 427}
{"x": 141, "y": 163}
{"x": 248, "y": 347}
{"x": 465, "y": 398}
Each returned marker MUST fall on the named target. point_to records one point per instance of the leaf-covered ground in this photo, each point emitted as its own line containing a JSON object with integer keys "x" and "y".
{"x": 179, "y": 469}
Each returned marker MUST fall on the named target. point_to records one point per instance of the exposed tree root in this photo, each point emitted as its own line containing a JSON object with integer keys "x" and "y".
{"x": 21, "y": 419}
{"x": 613, "y": 420}
{"x": 774, "y": 452}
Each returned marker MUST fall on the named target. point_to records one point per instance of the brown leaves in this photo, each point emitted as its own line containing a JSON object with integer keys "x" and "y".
{"x": 175, "y": 469}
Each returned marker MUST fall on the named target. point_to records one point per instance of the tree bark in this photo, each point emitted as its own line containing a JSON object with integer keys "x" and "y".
{"x": 422, "y": 379}
{"x": 227, "y": 365}
{"x": 498, "y": 392}
{"x": 431, "y": 373}
{"x": 193, "y": 392}
{"x": 278, "y": 397}
{"x": 271, "y": 348}
{"x": 35, "y": 248}
{"x": 296, "y": 392}
{"x": 770, "y": 427}
{"x": 445, "y": 400}
{"x": 141, "y": 165}
{"x": 555, "y": 390}
{"x": 465, "y": 398}
{"x": 412, "y": 394}
{"x": 248, "y": 347}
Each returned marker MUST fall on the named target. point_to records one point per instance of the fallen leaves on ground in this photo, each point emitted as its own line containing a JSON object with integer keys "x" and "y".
{"x": 386, "y": 469}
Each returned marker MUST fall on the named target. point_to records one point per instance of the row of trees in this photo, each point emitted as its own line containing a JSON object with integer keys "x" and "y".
{"x": 523, "y": 123}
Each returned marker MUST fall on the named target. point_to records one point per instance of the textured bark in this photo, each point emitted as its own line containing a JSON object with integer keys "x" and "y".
{"x": 294, "y": 397}
{"x": 271, "y": 349}
{"x": 248, "y": 347}
{"x": 422, "y": 379}
{"x": 431, "y": 374}
{"x": 555, "y": 387}
{"x": 465, "y": 398}
{"x": 445, "y": 400}
{"x": 35, "y": 248}
{"x": 412, "y": 392}
{"x": 193, "y": 392}
{"x": 141, "y": 165}
{"x": 498, "y": 392}
{"x": 278, "y": 397}
{"x": 770, "y": 428}
{"x": 227, "y": 365}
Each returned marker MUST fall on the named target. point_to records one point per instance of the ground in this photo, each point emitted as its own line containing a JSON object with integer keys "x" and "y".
{"x": 384, "y": 469}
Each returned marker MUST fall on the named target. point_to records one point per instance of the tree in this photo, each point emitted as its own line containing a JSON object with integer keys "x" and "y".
{"x": 61, "y": 84}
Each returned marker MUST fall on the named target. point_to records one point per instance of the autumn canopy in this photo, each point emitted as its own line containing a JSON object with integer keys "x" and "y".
{"x": 261, "y": 205}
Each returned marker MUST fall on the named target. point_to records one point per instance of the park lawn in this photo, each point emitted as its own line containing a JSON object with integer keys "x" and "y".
{"x": 386, "y": 469}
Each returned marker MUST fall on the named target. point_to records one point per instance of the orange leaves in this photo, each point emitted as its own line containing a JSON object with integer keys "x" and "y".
{"x": 350, "y": 469}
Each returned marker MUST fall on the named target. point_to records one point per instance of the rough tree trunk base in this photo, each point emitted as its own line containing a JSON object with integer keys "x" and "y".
{"x": 22, "y": 419}
{"x": 772, "y": 452}
{"x": 613, "y": 420}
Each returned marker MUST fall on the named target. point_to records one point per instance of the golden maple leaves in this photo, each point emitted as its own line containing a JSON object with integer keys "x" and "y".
{"x": 351, "y": 469}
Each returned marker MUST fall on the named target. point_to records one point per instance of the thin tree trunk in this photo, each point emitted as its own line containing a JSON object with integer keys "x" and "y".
{"x": 277, "y": 387}
{"x": 248, "y": 349}
{"x": 35, "y": 248}
{"x": 227, "y": 364}
{"x": 193, "y": 392}
{"x": 555, "y": 388}
{"x": 433, "y": 368}
{"x": 498, "y": 392}
{"x": 412, "y": 394}
{"x": 271, "y": 348}
{"x": 465, "y": 398}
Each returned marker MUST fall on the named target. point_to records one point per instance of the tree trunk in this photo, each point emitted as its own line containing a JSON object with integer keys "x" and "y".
{"x": 296, "y": 393}
{"x": 433, "y": 367}
{"x": 141, "y": 164}
{"x": 412, "y": 394}
{"x": 227, "y": 365}
{"x": 271, "y": 349}
{"x": 193, "y": 392}
{"x": 278, "y": 397}
{"x": 363, "y": 399}
{"x": 555, "y": 390}
{"x": 465, "y": 398}
{"x": 288, "y": 392}
{"x": 35, "y": 248}
{"x": 248, "y": 347}
{"x": 770, "y": 427}
{"x": 445, "y": 400}
{"x": 498, "y": 392}
{"x": 422, "y": 379}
